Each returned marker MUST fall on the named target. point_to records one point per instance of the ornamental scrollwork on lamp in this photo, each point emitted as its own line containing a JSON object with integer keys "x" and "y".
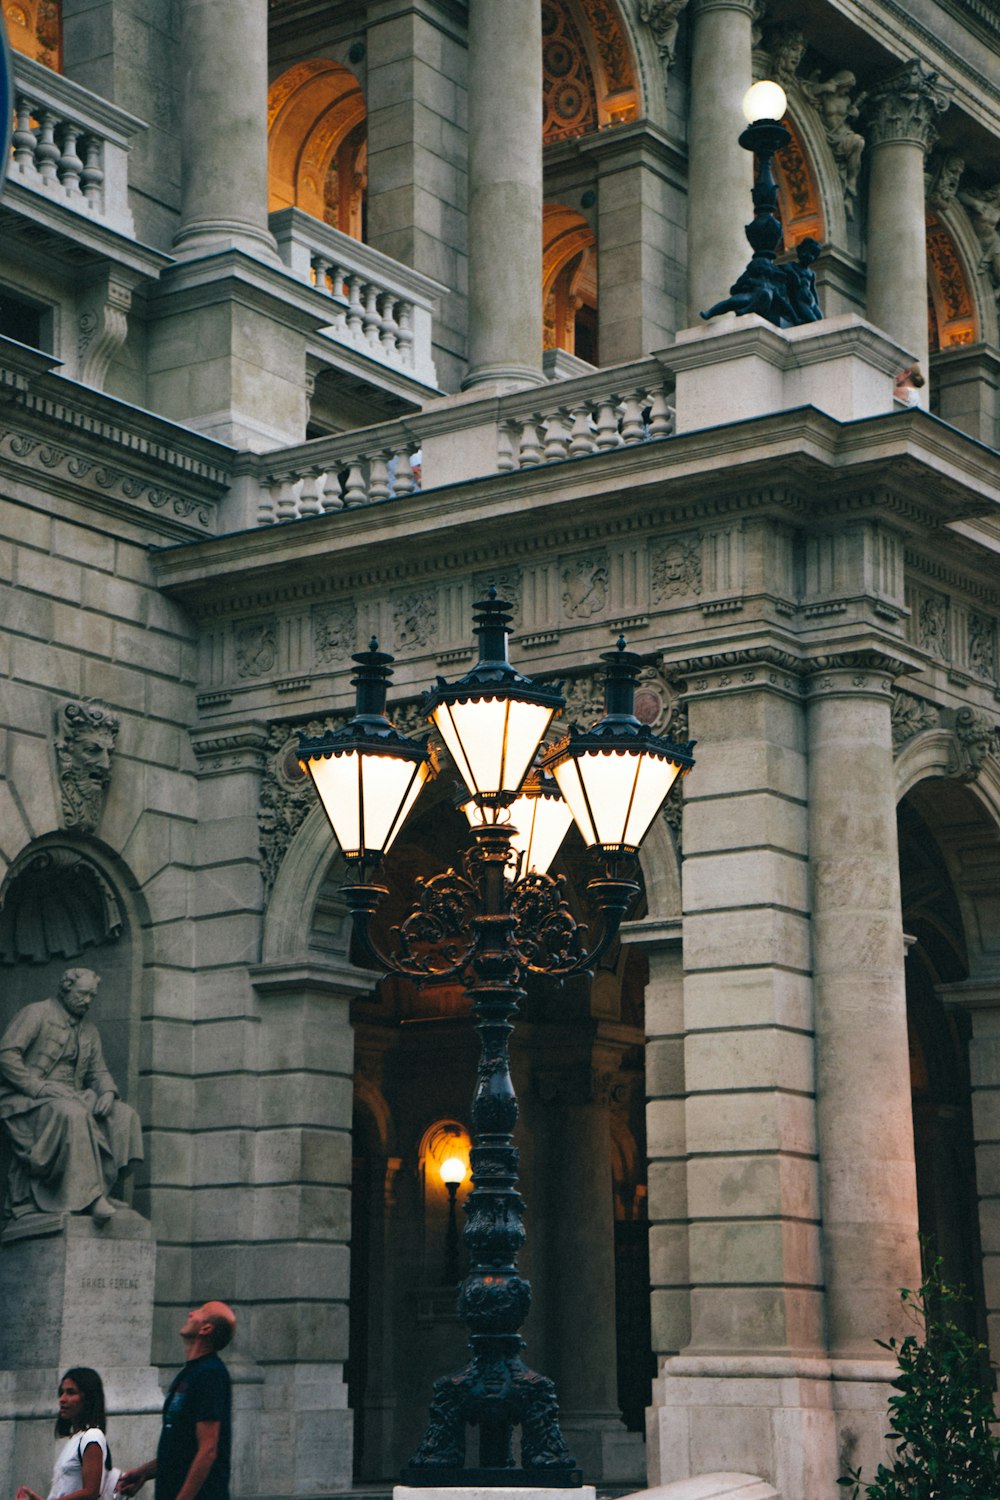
{"x": 85, "y": 736}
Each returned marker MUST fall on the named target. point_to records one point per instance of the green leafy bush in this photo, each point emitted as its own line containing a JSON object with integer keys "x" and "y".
{"x": 942, "y": 1411}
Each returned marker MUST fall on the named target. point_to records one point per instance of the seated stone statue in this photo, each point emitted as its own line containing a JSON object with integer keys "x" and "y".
{"x": 71, "y": 1133}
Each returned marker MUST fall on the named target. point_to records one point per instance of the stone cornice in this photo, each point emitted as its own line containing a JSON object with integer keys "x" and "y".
{"x": 792, "y": 464}
{"x": 104, "y": 452}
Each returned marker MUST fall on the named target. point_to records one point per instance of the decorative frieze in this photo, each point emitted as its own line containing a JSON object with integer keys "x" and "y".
{"x": 905, "y": 104}
{"x": 334, "y": 634}
{"x": 982, "y": 646}
{"x": 415, "y": 619}
{"x": 85, "y": 736}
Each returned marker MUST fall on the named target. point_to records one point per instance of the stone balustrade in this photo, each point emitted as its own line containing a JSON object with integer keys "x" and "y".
{"x": 339, "y": 473}
{"x": 70, "y": 145}
{"x": 591, "y": 414}
{"x": 383, "y": 309}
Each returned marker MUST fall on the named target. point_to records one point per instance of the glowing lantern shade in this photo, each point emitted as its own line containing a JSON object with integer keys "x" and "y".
{"x": 453, "y": 1171}
{"x": 492, "y": 719}
{"x": 541, "y": 818}
{"x": 367, "y": 774}
{"x": 616, "y": 775}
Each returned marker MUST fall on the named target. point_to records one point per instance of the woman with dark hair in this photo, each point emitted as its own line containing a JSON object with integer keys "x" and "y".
{"x": 83, "y": 1466}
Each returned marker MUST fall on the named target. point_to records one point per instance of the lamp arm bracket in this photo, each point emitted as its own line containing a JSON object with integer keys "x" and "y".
{"x": 547, "y": 938}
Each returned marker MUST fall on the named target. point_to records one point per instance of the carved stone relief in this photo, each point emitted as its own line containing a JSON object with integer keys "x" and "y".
{"x": 786, "y": 45}
{"x": 286, "y": 796}
{"x": 335, "y": 634}
{"x": 982, "y": 646}
{"x": 663, "y": 19}
{"x": 509, "y": 584}
{"x": 911, "y": 716}
{"x": 256, "y": 647}
{"x": 975, "y": 737}
{"x": 585, "y": 586}
{"x": 983, "y": 205}
{"x": 85, "y": 736}
{"x": 415, "y": 621}
{"x": 932, "y": 626}
{"x": 835, "y": 102}
{"x": 676, "y": 567}
{"x": 942, "y": 175}
{"x": 102, "y": 326}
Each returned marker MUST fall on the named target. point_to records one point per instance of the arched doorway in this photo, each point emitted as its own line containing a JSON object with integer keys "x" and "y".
{"x": 569, "y": 282}
{"x": 317, "y": 144}
{"x": 577, "y": 1059}
{"x": 938, "y": 964}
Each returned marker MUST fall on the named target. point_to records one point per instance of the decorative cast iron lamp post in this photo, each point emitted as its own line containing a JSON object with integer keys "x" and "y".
{"x": 784, "y": 295}
{"x": 501, "y": 916}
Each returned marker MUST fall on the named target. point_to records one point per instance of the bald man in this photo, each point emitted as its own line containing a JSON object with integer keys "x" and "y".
{"x": 192, "y": 1459}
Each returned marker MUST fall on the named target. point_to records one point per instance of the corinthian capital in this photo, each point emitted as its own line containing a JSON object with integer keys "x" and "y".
{"x": 904, "y": 105}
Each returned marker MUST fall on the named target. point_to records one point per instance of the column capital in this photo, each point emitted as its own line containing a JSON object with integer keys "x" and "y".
{"x": 904, "y": 104}
{"x": 751, "y": 8}
{"x": 853, "y": 674}
{"x": 232, "y": 747}
{"x": 739, "y": 671}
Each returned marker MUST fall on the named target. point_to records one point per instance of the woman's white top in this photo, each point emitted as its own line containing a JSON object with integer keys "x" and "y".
{"x": 67, "y": 1475}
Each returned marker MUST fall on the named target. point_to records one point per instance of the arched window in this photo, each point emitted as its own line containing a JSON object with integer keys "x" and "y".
{"x": 317, "y": 144}
{"x": 569, "y": 282}
{"x": 951, "y": 309}
{"x": 35, "y": 28}
{"x": 589, "y": 78}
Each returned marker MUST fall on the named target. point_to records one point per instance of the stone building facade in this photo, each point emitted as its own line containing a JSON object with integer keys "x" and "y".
{"x": 320, "y": 316}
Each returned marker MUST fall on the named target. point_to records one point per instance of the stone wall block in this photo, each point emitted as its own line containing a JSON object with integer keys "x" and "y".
{"x": 314, "y": 1330}
{"x": 665, "y": 1067}
{"x": 756, "y": 1317}
{"x": 738, "y": 1123}
{"x": 228, "y": 941}
{"x": 764, "y": 821}
{"x": 783, "y": 1252}
{"x": 297, "y": 1155}
{"x": 665, "y": 1127}
{"x": 718, "y": 1062}
{"x": 746, "y": 938}
{"x": 741, "y": 1187}
{"x": 223, "y": 1156}
{"x": 668, "y": 1254}
{"x": 302, "y": 1211}
{"x": 754, "y": 997}
{"x": 310, "y": 1272}
{"x": 670, "y": 1317}
{"x": 290, "y": 1098}
{"x": 717, "y": 880}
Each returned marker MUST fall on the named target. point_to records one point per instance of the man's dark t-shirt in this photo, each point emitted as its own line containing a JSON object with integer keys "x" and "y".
{"x": 201, "y": 1392}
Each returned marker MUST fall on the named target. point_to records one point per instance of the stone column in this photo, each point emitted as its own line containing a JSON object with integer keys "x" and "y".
{"x": 902, "y": 109}
{"x": 753, "y": 1377}
{"x": 719, "y": 170}
{"x": 223, "y": 127}
{"x": 505, "y": 193}
{"x": 867, "y": 1173}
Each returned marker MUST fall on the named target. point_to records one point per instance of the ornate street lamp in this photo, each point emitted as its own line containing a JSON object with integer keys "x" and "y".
{"x": 489, "y": 924}
{"x": 785, "y": 295}
{"x": 452, "y": 1175}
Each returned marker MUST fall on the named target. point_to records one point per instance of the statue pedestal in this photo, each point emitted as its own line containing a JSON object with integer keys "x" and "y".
{"x": 82, "y": 1297}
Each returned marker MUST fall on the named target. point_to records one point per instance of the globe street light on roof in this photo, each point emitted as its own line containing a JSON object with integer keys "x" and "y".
{"x": 764, "y": 101}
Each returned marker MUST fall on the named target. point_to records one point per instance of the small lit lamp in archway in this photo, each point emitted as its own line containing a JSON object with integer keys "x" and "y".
{"x": 498, "y": 918}
{"x": 453, "y": 1173}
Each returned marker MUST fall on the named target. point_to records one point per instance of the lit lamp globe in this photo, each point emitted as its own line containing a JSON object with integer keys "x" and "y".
{"x": 764, "y": 101}
{"x": 453, "y": 1172}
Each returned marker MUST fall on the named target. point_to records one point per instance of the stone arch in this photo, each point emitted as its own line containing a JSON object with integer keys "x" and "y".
{"x": 569, "y": 282}
{"x": 306, "y": 867}
{"x": 317, "y": 144}
{"x": 590, "y": 78}
{"x": 35, "y": 29}
{"x": 661, "y": 873}
{"x": 959, "y": 308}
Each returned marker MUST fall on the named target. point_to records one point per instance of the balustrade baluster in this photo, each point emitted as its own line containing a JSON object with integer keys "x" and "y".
{"x": 556, "y": 436}
{"x": 356, "y": 489}
{"x": 332, "y": 497}
{"x": 46, "y": 152}
{"x": 286, "y": 506}
{"x": 311, "y": 497}
{"x": 265, "y": 510}
{"x": 404, "y": 480}
{"x": 608, "y": 435}
{"x": 581, "y": 437}
{"x": 661, "y": 414}
{"x": 379, "y": 487}
{"x": 70, "y": 165}
{"x": 633, "y": 427}
{"x": 338, "y": 278}
{"x": 355, "y": 309}
{"x": 372, "y": 324}
{"x": 387, "y": 325}
{"x": 320, "y": 268}
{"x": 25, "y": 139}
{"x": 508, "y": 443}
{"x": 92, "y": 176}
{"x": 531, "y": 443}
{"x": 404, "y": 332}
